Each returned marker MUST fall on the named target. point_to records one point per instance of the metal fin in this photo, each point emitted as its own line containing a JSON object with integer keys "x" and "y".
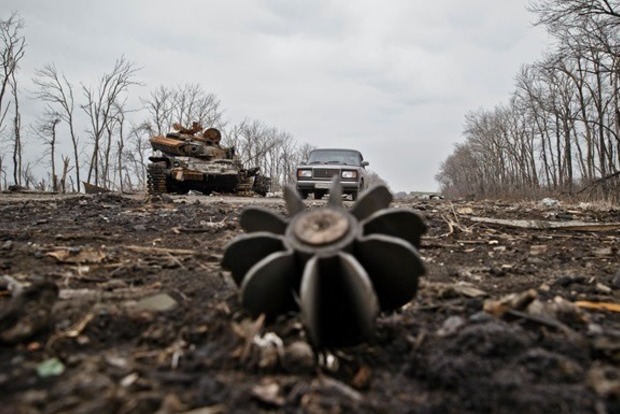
{"x": 248, "y": 249}
{"x": 338, "y": 304}
{"x": 404, "y": 224}
{"x": 371, "y": 201}
{"x": 254, "y": 219}
{"x": 270, "y": 285}
{"x": 393, "y": 266}
{"x": 335, "y": 194}
{"x": 294, "y": 203}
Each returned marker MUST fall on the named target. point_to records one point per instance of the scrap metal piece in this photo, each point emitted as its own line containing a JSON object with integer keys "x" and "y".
{"x": 255, "y": 219}
{"x": 373, "y": 200}
{"x": 392, "y": 265}
{"x": 247, "y": 250}
{"x": 401, "y": 223}
{"x": 338, "y": 304}
{"x": 269, "y": 285}
{"x": 338, "y": 268}
{"x": 294, "y": 203}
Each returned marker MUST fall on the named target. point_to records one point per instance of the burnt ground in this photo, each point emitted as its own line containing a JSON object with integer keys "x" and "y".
{"x": 118, "y": 304}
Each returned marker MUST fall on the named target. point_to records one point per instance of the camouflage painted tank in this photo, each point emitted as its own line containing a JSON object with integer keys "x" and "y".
{"x": 193, "y": 159}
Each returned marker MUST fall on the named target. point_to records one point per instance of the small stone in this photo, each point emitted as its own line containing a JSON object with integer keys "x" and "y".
{"x": 161, "y": 302}
{"x": 615, "y": 283}
{"x": 299, "y": 355}
{"x": 604, "y": 380}
{"x": 450, "y": 326}
{"x": 268, "y": 393}
{"x": 601, "y": 288}
{"x": 361, "y": 380}
{"x": 50, "y": 368}
{"x": 538, "y": 249}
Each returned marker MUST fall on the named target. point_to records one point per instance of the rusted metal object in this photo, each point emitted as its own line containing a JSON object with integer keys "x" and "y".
{"x": 192, "y": 159}
{"x": 94, "y": 189}
{"x": 339, "y": 268}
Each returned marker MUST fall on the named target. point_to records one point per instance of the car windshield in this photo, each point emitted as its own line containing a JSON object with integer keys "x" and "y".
{"x": 335, "y": 157}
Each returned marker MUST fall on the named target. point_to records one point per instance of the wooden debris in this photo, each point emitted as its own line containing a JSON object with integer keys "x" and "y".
{"x": 513, "y": 301}
{"x": 159, "y": 250}
{"x": 269, "y": 393}
{"x": 605, "y": 306}
{"x": 548, "y": 225}
{"x": 94, "y": 189}
{"x": 77, "y": 255}
{"x": 73, "y": 331}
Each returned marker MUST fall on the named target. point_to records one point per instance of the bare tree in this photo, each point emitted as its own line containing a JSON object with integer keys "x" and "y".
{"x": 66, "y": 162}
{"x": 159, "y": 109}
{"x": 12, "y": 44}
{"x": 561, "y": 128}
{"x": 17, "y": 136}
{"x": 45, "y": 130}
{"x": 101, "y": 104}
{"x": 54, "y": 89}
{"x": 559, "y": 14}
{"x": 135, "y": 153}
{"x": 182, "y": 104}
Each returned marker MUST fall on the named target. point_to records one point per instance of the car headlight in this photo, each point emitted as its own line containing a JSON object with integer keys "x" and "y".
{"x": 349, "y": 174}
{"x": 304, "y": 173}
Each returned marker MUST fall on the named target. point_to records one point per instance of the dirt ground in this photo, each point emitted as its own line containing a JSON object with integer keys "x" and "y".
{"x": 118, "y": 304}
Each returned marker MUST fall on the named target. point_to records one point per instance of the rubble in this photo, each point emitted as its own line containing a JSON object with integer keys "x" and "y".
{"x": 490, "y": 330}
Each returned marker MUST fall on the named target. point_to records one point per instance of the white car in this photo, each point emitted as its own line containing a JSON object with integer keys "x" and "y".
{"x": 315, "y": 174}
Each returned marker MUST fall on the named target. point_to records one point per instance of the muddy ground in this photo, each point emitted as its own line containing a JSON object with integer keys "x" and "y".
{"x": 118, "y": 304}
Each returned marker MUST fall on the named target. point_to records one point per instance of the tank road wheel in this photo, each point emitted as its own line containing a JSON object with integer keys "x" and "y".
{"x": 156, "y": 179}
{"x": 261, "y": 184}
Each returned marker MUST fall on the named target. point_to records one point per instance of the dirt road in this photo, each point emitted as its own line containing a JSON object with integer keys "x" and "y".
{"x": 124, "y": 308}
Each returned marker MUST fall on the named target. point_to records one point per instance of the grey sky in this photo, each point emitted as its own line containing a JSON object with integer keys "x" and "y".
{"x": 393, "y": 79}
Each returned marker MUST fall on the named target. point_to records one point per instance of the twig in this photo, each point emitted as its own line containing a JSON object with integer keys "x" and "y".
{"x": 73, "y": 331}
{"x": 158, "y": 250}
{"x": 547, "y": 225}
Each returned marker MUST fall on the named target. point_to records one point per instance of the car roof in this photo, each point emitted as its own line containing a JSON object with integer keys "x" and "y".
{"x": 334, "y": 149}
{"x": 338, "y": 149}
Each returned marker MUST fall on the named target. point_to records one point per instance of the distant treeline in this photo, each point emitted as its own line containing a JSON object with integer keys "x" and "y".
{"x": 560, "y": 131}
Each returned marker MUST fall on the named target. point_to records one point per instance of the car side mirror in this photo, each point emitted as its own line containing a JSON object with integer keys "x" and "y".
{"x": 365, "y": 163}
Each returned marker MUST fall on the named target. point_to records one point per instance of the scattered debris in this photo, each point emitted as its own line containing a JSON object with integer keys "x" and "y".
{"x": 268, "y": 393}
{"x": 513, "y": 301}
{"x": 542, "y": 224}
{"x": 77, "y": 255}
{"x": 50, "y": 368}
{"x": 94, "y": 189}
{"x": 550, "y": 202}
{"x": 542, "y": 352}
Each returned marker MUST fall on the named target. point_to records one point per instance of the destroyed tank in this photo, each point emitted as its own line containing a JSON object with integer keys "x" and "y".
{"x": 193, "y": 159}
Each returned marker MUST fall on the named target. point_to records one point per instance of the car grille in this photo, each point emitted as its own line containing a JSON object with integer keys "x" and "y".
{"x": 325, "y": 172}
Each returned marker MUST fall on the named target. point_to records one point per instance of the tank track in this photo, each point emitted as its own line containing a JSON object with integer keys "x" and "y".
{"x": 156, "y": 179}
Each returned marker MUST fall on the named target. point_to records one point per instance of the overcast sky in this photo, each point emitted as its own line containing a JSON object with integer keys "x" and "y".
{"x": 393, "y": 78}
